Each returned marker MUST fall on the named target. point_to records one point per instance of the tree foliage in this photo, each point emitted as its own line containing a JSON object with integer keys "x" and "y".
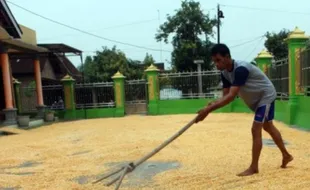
{"x": 148, "y": 60}
{"x": 276, "y": 45}
{"x": 308, "y": 44}
{"x": 187, "y": 25}
{"x": 102, "y": 66}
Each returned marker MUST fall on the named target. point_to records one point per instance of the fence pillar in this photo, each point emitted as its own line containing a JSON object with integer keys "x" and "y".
{"x": 264, "y": 60}
{"x": 119, "y": 91}
{"x": 17, "y": 95}
{"x": 153, "y": 89}
{"x": 68, "y": 86}
{"x": 296, "y": 43}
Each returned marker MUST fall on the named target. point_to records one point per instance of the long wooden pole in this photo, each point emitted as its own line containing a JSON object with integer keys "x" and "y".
{"x": 164, "y": 144}
{"x": 146, "y": 157}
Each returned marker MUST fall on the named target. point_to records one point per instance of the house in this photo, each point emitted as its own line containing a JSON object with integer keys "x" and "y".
{"x": 160, "y": 66}
{"x": 15, "y": 40}
{"x": 23, "y": 58}
{"x": 54, "y": 67}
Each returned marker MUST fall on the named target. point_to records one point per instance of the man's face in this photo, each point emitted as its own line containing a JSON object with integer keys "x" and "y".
{"x": 220, "y": 61}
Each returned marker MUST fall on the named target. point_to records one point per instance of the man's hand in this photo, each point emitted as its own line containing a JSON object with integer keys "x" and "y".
{"x": 202, "y": 114}
{"x": 210, "y": 103}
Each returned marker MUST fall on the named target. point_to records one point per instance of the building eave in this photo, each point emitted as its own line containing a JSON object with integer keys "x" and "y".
{"x": 9, "y": 14}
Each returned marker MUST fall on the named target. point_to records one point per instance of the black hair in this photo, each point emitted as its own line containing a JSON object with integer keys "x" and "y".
{"x": 221, "y": 49}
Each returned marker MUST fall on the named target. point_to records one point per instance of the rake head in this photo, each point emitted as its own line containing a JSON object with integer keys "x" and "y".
{"x": 122, "y": 172}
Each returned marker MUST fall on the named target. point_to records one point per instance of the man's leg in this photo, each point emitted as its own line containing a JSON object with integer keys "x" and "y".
{"x": 276, "y": 136}
{"x": 257, "y": 144}
{"x": 256, "y": 149}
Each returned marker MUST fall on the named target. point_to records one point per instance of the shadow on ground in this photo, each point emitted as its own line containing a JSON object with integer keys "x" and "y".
{"x": 141, "y": 176}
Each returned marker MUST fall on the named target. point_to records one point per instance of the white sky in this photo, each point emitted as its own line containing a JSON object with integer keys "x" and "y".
{"x": 100, "y": 16}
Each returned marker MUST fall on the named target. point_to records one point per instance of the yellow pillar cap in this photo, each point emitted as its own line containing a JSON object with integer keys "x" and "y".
{"x": 264, "y": 54}
{"x": 118, "y": 75}
{"x": 297, "y": 34}
{"x": 152, "y": 68}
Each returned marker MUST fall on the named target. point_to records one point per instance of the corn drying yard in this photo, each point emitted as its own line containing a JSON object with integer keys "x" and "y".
{"x": 71, "y": 155}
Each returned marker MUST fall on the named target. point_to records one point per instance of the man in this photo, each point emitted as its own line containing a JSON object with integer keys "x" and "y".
{"x": 257, "y": 91}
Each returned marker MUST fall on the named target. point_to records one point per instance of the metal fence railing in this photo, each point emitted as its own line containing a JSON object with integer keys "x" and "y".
{"x": 305, "y": 71}
{"x": 279, "y": 76}
{"x": 204, "y": 84}
{"x": 53, "y": 96}
{"x": 94, "y": 95}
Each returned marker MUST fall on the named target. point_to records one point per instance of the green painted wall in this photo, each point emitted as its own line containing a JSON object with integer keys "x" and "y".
{"x": 100, "y": 113}
{"x": 303, "y": 114}
{"x": 238, "y": 106}
{"x": 281, "y": 107}
{"x": 185, "y": 106}
{"x": 87, "y": 114}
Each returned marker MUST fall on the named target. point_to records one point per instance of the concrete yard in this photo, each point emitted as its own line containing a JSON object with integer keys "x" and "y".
{"x": 70, "y": 155}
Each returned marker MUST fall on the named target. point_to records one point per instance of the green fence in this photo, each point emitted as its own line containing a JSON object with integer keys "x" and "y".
{"x": 186, "y": 93}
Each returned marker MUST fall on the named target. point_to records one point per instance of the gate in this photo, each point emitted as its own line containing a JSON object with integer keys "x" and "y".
{"x": 136, "y": 97}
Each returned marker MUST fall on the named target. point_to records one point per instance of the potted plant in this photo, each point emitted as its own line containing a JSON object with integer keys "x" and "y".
{"x": 49, "y": 115}
{"x": 23, "y": 120}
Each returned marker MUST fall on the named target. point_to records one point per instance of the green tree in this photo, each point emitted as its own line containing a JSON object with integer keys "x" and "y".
{"x": 308, "y": 44}
{"x": 148, "y": 60}
{"x": 187, "y": 25}
{"x": 102, "y": 66}
{"x": 276, "y": 45}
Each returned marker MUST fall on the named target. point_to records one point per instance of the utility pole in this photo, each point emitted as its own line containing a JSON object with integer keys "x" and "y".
{"x": 161, "y": 52}
{"x": 219, "y": 16}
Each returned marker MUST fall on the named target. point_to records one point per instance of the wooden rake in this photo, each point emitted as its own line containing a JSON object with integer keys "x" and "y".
{"x": 131, "y": 166}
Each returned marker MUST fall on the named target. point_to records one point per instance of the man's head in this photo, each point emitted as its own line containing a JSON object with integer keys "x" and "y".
{"x": 220, "y": 54}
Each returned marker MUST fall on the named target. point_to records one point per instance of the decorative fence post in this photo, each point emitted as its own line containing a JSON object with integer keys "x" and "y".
{"x": 18, "y": 104}
{"x": 68, "y": 86}
{"x": 264, "y": 60}
{"x": 119, "y": 91}
{"x": 153, "y": 89}
{"x": 296, "y": 43}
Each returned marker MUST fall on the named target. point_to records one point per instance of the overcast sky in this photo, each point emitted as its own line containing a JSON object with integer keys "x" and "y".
{"x": 136, "y": 22}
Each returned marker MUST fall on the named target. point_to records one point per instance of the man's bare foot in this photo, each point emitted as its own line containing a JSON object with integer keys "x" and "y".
{"x": 248, "y": 172}
{"x": 286, "y": 160}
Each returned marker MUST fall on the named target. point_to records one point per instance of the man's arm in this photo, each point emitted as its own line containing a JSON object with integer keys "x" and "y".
{"x": 225, "y": 91}
{"x": 241, "y": 75}
{"x": 226, "y": 85}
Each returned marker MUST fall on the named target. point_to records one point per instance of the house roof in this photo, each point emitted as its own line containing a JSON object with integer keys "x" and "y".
{"x": 25, "y": 66}
{"x": 61, "y": 66}
{"x": 68, "y": 66}
{"x": 19, "y": 47}
{"x": 8, "y": 21}
{"x": 60, "y": 48}
{"x": 11, "y": 33}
